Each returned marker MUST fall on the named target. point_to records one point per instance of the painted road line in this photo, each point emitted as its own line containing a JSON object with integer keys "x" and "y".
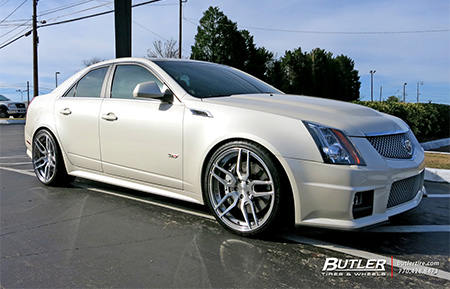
{"x": 407, "y": 266}
{"x": 438, "y": 196}
{"x": 15, "y": 164}
{"x": 411, "y": 229}
{"x": 171, "y": 207}
{"x": 23, "y": 172}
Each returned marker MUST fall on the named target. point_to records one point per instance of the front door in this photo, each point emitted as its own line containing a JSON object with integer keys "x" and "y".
{"x": 140, "y": 139}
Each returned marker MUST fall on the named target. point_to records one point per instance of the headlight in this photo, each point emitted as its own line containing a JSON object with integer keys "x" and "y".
{"x": 334, "y": 145}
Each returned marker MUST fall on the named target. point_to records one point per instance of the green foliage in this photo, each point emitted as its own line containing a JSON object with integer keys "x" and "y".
{"x": 316, "y": 73}
{"x": 320, "y": 74}
{"x": 219, "y": 40}
{"x": 427, "y": 120}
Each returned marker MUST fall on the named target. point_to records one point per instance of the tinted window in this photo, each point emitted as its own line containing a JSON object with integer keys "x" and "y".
{"x": 127, "y": 77}
{"x": 202, "y": 79}
{"x": 90, "y": 85}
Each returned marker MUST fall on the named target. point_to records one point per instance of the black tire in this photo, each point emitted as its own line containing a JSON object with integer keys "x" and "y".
{"x": 48, "y": 163}
{"x": 245, "y": 199}
{"x": 3, "y": 113}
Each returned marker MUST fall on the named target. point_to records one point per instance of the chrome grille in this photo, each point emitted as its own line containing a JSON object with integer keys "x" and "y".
{"x": 20, "y": 105}
{"x": 396, "y": 146}
{"x": 405, "y": 190}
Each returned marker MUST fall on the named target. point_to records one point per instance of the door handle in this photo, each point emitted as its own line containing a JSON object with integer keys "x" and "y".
{"x": 109, "y": 117}
{"x": 65, "y": 111}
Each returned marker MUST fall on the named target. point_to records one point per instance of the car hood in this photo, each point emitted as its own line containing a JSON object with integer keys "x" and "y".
{"x": 355, "y": 120}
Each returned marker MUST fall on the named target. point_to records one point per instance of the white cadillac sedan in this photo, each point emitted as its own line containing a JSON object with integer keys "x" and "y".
{"x": 214, "y": 135}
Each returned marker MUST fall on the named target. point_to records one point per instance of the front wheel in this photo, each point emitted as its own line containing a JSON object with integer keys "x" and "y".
{"x": 243, "y": 188}
{"x": 47, "y": 160}
{"x": 3, "y": 113}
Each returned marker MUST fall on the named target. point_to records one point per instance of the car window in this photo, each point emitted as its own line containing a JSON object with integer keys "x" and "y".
{"x": 202, "y": 79}
{"x": 126, "y": 77}
{"x": 90, "y": 85}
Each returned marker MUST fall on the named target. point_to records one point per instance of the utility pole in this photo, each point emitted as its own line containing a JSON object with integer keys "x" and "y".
{"x": 28, "y": 93}
{"x": 180, "y": 38}
{"x": 371, "y": 84}
{"x": 35, "y": 51}
{"x": 381, "y": 92}
{"x": 122, "y": 18}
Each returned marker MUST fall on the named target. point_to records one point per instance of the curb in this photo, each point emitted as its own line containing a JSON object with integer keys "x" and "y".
{"x": 437, "y": 175}
{"x": 432, "y": 145}
{"x": 12, "y": 121}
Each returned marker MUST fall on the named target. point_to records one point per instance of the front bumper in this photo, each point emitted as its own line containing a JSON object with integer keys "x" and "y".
{"x": 18, "y": 111}
{"x": 324, "y": 194}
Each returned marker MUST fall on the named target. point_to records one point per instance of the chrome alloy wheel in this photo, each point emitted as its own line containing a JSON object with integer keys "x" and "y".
{"x": 241, "y": 189}
{"x": 44, "y": 157}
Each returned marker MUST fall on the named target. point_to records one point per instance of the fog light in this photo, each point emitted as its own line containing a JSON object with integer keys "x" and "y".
{"x": 362, "y": 204}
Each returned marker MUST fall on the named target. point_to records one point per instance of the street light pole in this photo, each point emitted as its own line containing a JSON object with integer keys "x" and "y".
{"x": 421, "y": 83}
{"x": 404, "y": 92}
{"x": 371, "y": 84}
{"x": 56, "y": 78}
{"x": 21, "y": 93}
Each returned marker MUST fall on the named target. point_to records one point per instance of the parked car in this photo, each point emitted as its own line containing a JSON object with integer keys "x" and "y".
{"x": 210, "y": 134}
{"x": 11, "y": 108}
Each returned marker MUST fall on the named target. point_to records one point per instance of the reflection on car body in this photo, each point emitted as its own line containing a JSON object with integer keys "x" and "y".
{"x": 211, "y": 134}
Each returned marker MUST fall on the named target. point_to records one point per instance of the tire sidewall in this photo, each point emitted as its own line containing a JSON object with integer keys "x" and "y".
{"x": 270, "y": 224}
{"x": 60, "y": 171}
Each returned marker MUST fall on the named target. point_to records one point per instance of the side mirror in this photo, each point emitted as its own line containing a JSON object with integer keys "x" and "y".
{"x": 151, "y": 90}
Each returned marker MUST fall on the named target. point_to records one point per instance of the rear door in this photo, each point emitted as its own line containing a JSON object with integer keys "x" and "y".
{"x": 77, "y": 117}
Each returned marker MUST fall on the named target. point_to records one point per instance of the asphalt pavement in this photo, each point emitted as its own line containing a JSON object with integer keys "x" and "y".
{"x": 91, "y": 235}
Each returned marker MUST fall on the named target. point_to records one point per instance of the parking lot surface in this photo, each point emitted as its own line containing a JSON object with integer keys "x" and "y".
{"x": 94, "y": 235}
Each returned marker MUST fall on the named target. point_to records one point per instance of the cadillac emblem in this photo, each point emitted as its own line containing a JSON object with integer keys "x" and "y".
{"x": 408, "y": 146}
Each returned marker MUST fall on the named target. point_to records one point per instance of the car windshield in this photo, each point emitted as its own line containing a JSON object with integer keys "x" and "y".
{"x": 3, "y": 98}
{"x": 202, "y": 79}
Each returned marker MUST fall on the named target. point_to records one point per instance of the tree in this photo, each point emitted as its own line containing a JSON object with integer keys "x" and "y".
{"x": 167, "y": 50}
{"x": 219, "y": 40}
{"x": 92, "y": 61}
{"x": 318, "y": 73}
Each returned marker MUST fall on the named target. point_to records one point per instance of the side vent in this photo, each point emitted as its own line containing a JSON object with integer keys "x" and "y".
{"x": 199, "y": 112}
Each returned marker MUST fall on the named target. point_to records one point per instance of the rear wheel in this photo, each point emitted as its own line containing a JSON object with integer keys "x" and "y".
{"x": 243, "y": 188}
{"x": 47, "y": 160}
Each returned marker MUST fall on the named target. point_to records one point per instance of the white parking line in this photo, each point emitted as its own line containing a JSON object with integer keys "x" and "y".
{"x": 367, "y": 255}
{"x": 23, "y": 172}
{"x": 411, "y": 229}
{"x": 171, "y": 207}
{"x": 438, "y": 196}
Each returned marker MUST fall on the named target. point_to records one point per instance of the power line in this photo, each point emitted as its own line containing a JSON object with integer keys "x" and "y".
{"x": 95, "y": 15}
{"x": 73, "y": 20}
{"x": 13, "y": 11}
{"x": 64, "y": 7}
{"x": 191, "y": 20}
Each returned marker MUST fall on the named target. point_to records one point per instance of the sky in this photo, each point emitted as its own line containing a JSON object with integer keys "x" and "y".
{"x": 405, "y": 41}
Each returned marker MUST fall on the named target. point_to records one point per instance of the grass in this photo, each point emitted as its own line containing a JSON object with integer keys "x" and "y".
{"x": 437, "y": 161}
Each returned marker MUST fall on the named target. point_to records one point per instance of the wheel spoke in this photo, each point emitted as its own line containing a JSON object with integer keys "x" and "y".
{"x": 40, "y": 146}
{"x": 227, "y": 183}
{"x": 243, "y": 176}
{"x": 256, "y": 193}
{"x": 234, "y": 196}
{"x": 244, "y": 213}
{"x": 40, "y": 165}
